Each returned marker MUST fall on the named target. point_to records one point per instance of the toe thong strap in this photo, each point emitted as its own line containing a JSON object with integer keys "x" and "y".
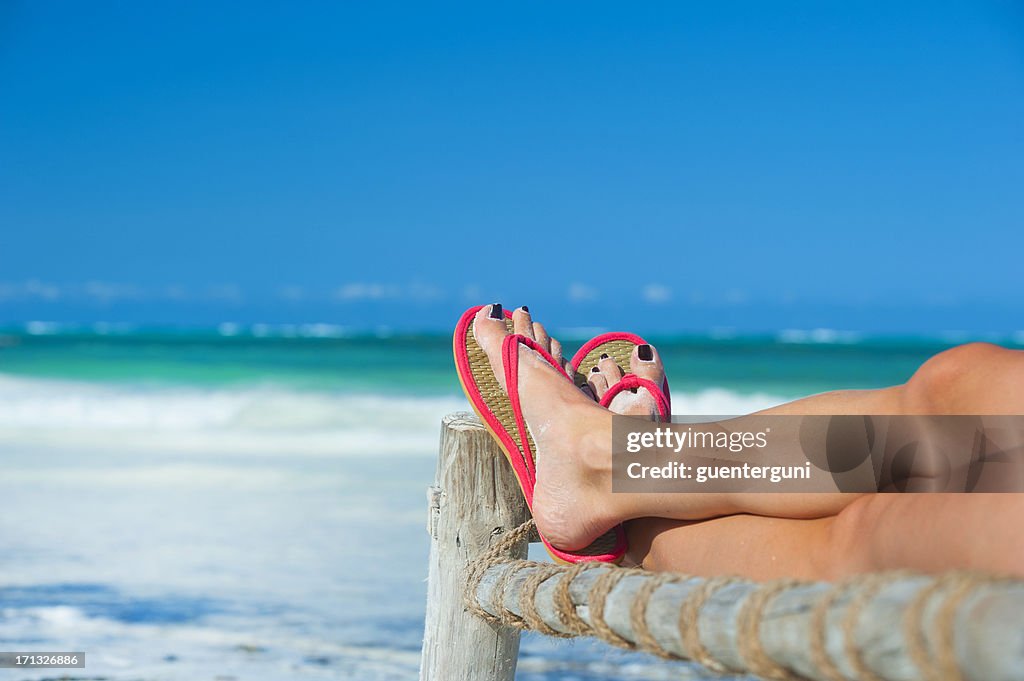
{"x": 634, "y": 382}
{"x": 510, "y": 361}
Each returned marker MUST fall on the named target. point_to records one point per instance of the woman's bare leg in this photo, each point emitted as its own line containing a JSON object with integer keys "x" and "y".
{"x": 977, "y": 378}
{"x": 572, "y": 503}
{"x": 572, "y": 499}
{"x": 928, "y": 532}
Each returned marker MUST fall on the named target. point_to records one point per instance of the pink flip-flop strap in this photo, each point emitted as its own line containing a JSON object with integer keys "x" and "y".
{"x": 510, "y": 361}
{"x": 661, "y": 393}
{"x": 632, "y": 382}
{"x": 582, "y": 353}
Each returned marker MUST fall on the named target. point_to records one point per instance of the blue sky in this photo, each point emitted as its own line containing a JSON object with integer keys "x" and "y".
{"x": 673, "y": 166}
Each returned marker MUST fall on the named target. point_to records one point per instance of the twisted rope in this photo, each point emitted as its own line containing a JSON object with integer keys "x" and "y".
{"x": 819, "y": 616}
{"x": 638, "y": 613}
{"x": 597, "y": 598}
{"x": 962, "y": 586}
{"x": 689, "y": 622}
{"x": 528, "y": 604}
{"x": 563, "y": 600}
{"x": 748, "y": 635}
{"x": 498, "y": 554}
{"x": 938, "y": 661}
{"x": 930, "y": 643}
{"x": 869, "y": 588}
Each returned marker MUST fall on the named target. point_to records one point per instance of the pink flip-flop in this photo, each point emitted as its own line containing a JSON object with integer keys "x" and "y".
{"x": 502, "y": 415}
{"x": 619, "y": 346}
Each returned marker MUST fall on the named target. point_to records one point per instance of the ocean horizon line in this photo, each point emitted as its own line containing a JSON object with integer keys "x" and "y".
{"x": 327, "y": 331}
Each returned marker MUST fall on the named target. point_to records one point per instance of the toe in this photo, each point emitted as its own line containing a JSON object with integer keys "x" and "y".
{"x": 521, "y": 322}
{"x": 489, "y": 330}
{"x": 489, "y": 327}
{"x": 588, "y": 391}
{"x": 645, "y": 362}
{"x": 556, "y": 352}
{"x": 541, "y": 336}
{"x": 609, "y": 369}
{"x": 597, "y": 382}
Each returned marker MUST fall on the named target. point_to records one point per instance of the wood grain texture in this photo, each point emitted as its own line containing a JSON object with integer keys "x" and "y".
{"x": 475, "y": 499}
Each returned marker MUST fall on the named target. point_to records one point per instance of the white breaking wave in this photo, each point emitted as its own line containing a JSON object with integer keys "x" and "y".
{"x": 818, "y": 336}
{"x": 721, "y": 402}
{"x": 200, "y": 556}
{"x": 247, "y": 419}
{"x": 255, "y": 419}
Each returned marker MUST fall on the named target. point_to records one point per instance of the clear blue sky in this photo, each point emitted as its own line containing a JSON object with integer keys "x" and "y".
{"x": 668, "y": 165}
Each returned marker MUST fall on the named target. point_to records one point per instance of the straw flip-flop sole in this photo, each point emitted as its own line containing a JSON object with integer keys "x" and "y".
{"x": 619, "y": 347}
{"x": 494, "y": 407}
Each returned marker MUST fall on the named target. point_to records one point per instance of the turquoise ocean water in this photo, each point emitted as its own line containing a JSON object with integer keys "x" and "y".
{"x": 249, "y": 503}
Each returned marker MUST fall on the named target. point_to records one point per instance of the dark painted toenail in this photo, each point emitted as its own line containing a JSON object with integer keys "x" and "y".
{"x": 497, "y": 312}
{"x": 645, "y": 353}
{"x": 604, "y": 356}
{"x": 525, "y": 309}
{"x": 595, "y": 369}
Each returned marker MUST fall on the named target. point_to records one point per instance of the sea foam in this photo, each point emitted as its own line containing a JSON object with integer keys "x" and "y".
{"x": 254, "y": 419}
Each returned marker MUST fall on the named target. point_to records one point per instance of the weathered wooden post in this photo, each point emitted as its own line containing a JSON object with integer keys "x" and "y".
{"x": 474, "y": 501}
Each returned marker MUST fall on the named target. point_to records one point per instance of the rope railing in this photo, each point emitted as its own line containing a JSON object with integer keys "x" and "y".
{"x": 881, "y": 626}
{"x": 894, "y": 626}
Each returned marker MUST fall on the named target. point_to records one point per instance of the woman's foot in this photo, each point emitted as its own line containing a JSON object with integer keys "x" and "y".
{"x": 571, "y": 432}
{"x": 572, "y": 500}
{"x": 645, "y": 363}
